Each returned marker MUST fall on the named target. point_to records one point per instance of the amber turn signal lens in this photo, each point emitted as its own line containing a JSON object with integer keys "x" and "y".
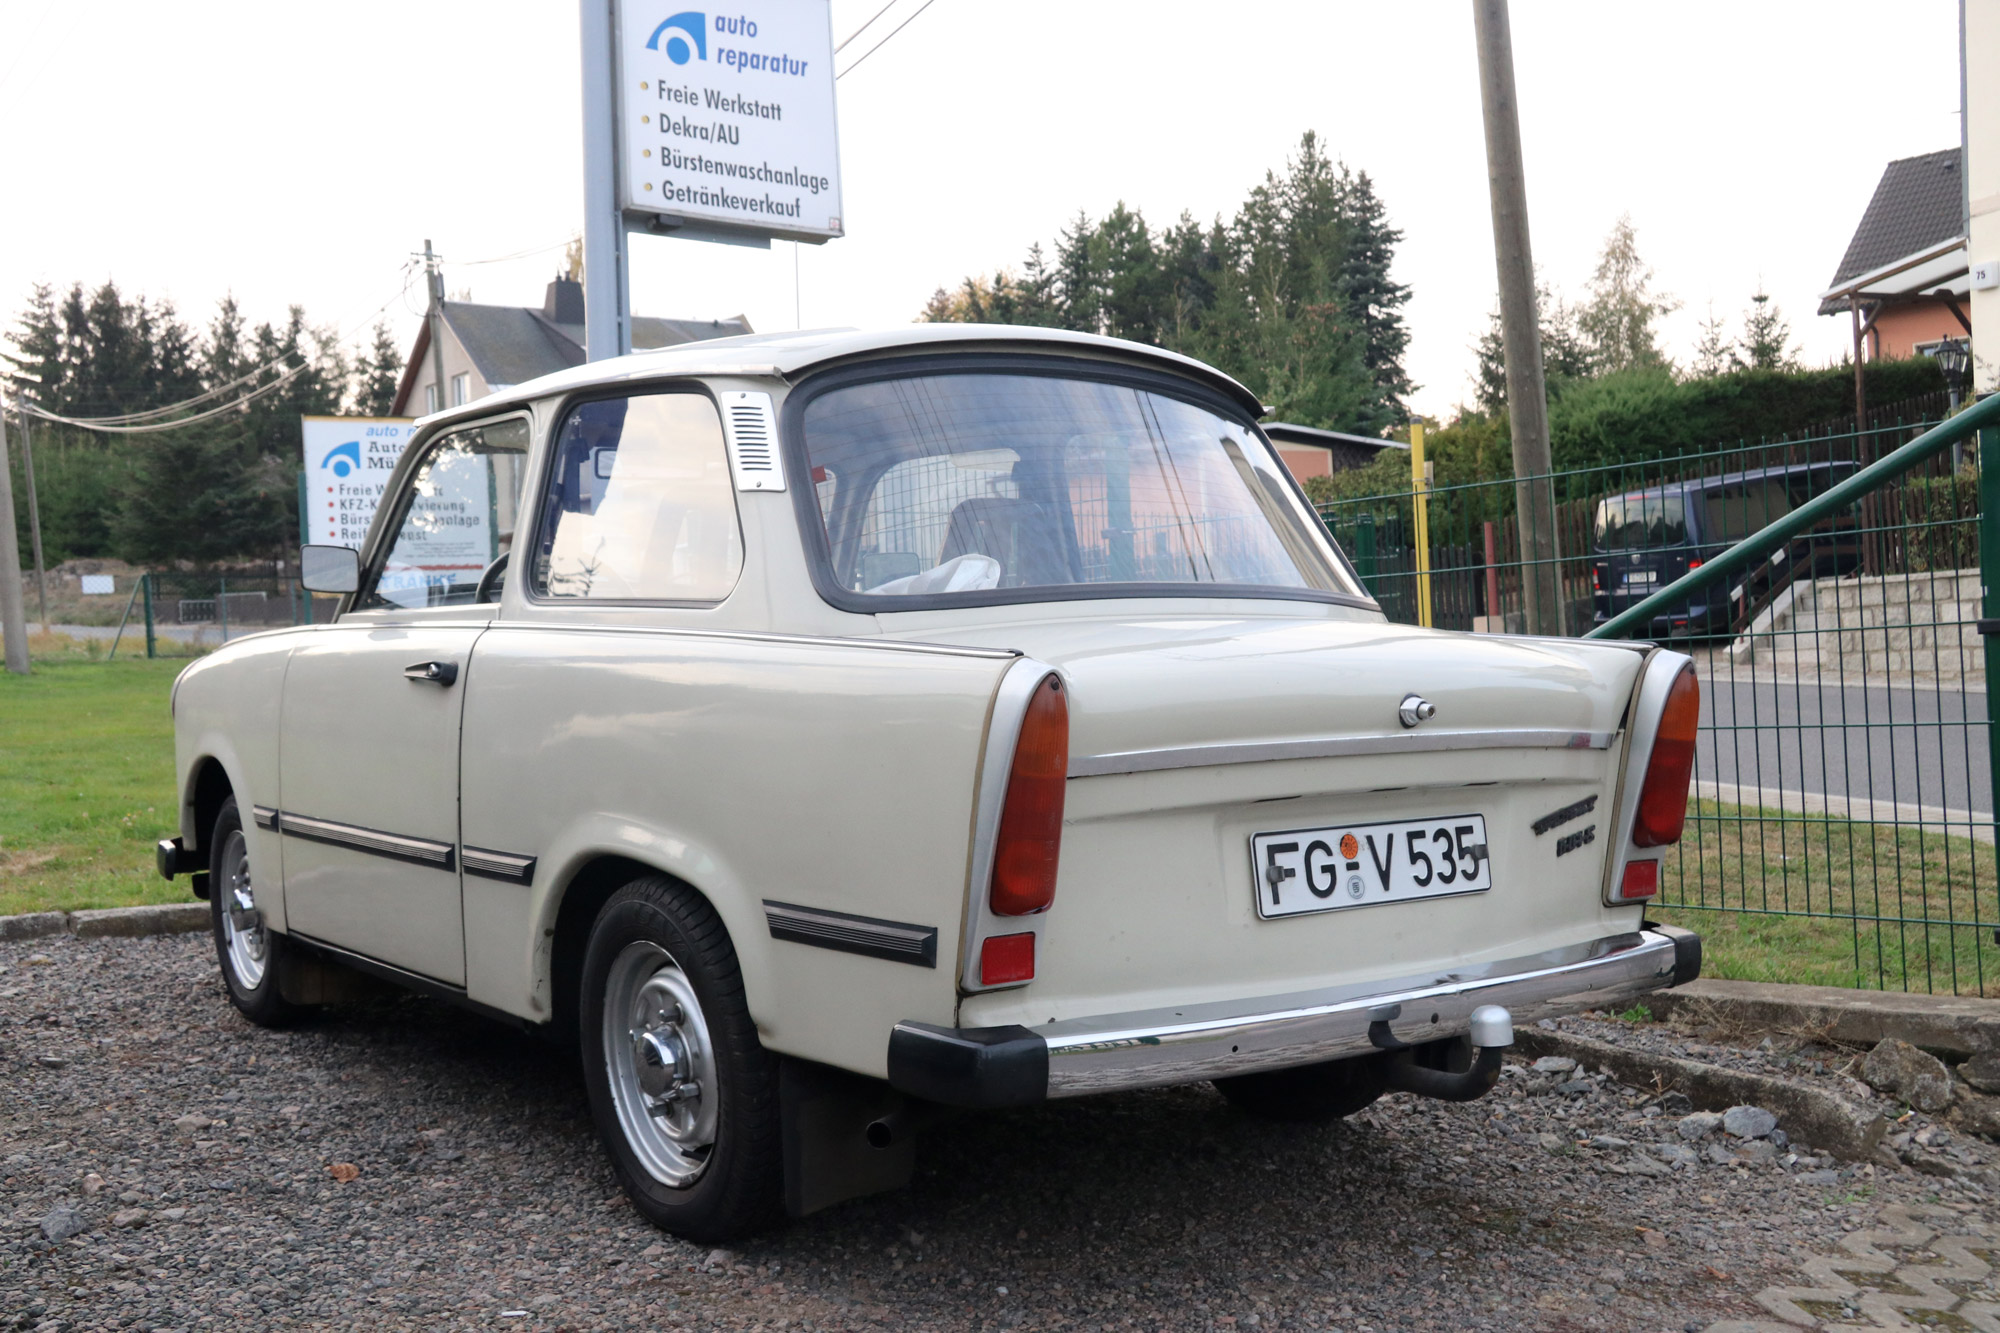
{"x": 1642, "y": 880}
{"x": 1664, "y": 796}
{"x": 1030, "y": 839}
{"x": 1006, "y": 958}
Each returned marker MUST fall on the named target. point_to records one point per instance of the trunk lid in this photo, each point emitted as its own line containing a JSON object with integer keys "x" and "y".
{"x": 1192, "y": 734}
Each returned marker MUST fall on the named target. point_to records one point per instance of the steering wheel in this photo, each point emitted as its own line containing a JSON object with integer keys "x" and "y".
{"x": 489, "y": 580}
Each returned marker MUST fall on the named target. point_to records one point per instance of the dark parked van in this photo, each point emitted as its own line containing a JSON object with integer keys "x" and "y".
{"x": 1645, "y": 539}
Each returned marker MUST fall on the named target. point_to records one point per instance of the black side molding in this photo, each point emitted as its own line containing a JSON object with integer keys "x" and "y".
{"x": 872, "y": 937}
{"x": 1687, "y": 951}
{"x": 978, "y": 1068}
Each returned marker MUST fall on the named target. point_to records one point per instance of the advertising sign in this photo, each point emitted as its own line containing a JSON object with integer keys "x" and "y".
{"x": 727, "y": 118}
{"x": 347, "y": 462}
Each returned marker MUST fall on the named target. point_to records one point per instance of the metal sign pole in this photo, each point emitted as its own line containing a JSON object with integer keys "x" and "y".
{"x": 607, "y": 322}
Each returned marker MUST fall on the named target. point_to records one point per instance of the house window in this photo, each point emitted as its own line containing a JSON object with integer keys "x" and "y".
{"x": 430, "y": 398}
{"x": 461, "y": 389}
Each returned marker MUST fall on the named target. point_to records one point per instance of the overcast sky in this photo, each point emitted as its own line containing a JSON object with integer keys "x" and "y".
{"x": 294, "y": 153}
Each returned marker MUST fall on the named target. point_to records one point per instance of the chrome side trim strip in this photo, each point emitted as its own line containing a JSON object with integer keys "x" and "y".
{"x": 752, "y": 636}
{"x": 489, "y": 864}
{"x": 422, "y": 851}
{"x": 843, "y": 932}
{"x": 1328, "y": 747}
{"x": 1200, "y": 1042}
{"x": 264, "y": 816}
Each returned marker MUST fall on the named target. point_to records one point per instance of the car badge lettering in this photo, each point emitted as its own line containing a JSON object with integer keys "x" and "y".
{"x": 1557, "y": 818}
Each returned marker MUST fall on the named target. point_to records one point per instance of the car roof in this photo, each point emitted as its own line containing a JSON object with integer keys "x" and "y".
{"x": 790, "y": 355}
{"x": 1727, "y": 478}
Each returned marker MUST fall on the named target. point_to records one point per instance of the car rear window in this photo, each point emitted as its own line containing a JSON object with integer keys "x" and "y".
{"x": 1636, "y": 522}
{"x": 947, "y": 485}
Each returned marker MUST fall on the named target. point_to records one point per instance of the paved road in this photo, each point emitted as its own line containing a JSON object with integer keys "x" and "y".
{"x": 1922, "y": 745}
{"x": 196, "y": 1153}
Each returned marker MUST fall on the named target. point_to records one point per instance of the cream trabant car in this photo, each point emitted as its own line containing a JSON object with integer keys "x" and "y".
{"x": 832, "y": 728}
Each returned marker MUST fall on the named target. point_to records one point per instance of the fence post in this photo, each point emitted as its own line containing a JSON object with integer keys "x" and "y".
{"x": 1989, "y": 593}
{"x": 222, "y": 606}
{"x": 1420, "y": 489}
{"x": 152, "y": 645}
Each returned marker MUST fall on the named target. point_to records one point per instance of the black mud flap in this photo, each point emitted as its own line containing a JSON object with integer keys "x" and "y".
{"x": 825, "y": 1114}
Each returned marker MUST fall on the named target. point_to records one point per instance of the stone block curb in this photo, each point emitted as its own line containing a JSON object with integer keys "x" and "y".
{"x": 1955, "y": 1024}
{"x": 107, "y": 922}
{"x": 1810, "y": 1115}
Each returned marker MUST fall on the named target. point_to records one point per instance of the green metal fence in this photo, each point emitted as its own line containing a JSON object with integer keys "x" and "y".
{"x": 1830, "y": 591}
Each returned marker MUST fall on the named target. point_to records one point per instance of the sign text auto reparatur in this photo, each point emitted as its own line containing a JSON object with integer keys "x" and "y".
{"x": 728, "y": 117}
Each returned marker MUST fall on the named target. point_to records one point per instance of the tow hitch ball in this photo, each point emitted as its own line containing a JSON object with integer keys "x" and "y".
{"x": 1492, "y": 1032}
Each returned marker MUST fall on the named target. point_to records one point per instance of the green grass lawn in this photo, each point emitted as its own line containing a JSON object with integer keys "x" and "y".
{"x": 86, "y": 784}
{"x": 1830, "y": 902}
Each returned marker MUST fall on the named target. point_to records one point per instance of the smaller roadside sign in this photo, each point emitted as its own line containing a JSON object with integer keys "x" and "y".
{"x": 347, "y": 464}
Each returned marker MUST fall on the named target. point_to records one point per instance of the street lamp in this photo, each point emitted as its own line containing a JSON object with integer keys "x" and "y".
{"x": 1954, "y": 358}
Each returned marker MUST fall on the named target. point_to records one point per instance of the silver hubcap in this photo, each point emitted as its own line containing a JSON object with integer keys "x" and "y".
{"x": 242, "y": 924}
{"x": 660, "y": 1063}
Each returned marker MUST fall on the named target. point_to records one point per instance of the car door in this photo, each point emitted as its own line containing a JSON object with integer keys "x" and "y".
{"x": 369, "y": 764}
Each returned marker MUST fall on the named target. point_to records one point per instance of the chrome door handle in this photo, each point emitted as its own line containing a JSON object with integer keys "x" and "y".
{"x": 433, "y": 673}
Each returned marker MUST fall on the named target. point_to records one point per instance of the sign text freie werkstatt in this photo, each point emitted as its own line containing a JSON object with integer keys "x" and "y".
{"x": 347, "y": 463}
{"x": 728, "y": 118}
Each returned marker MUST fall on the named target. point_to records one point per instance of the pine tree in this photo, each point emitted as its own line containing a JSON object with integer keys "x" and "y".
{"x": 1079, "y": 301}
{"x": 1766, "y": 336}
{"x": 1567, "y": 353}
{"x": 1372, "y": 297}
{"x": 1713, "y": 355}
{"x": 377, "y": 374}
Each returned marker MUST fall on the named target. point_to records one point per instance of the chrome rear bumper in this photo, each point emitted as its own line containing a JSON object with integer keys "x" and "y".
{"x": 1013, "y": 1066}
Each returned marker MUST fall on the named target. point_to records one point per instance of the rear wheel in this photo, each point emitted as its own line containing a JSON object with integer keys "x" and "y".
{"x": 684, "y": 1096}
{"x": 1310, "y": 1092}
{"x": 251, "y": 953}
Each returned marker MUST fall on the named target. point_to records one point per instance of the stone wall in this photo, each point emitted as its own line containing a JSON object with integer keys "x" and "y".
{"x": 1918, "y": 627}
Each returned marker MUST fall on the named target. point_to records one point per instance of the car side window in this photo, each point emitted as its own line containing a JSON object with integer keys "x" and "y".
{"x": 640, "y": 505}
{"x": 456, "y": 515}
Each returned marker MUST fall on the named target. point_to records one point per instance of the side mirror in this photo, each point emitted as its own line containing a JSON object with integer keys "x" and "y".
{"x": 330, "y": 568}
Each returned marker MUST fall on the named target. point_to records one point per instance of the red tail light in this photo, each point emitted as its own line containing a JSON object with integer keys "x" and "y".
{"x": 1024, "y": 856}
{"x": 1664, "y": 795}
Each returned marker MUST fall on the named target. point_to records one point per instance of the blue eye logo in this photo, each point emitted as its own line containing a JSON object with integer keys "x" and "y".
{"x": 691, "y": 28}
{"x": 343, "y": 458}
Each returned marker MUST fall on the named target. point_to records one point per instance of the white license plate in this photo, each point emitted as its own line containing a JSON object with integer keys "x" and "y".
{"x": 1358, "y": 865}
{"x": 1641, "y": 578}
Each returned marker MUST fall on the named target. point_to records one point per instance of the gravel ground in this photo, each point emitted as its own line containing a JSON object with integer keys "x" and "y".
{"x": 208, "y": 1166}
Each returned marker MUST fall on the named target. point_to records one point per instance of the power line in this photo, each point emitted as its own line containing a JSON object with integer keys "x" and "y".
{"x": 864, "y": 27}
{"x": 885, "y": 41}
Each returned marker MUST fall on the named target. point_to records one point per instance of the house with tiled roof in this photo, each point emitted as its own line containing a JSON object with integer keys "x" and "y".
{"x": 1904, "y": 280}
{"x": 489, "y": 347}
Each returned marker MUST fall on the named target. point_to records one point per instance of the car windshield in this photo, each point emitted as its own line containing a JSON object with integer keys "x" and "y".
{"x": 956, "y": 484}
{"x": 1635, "y": 522}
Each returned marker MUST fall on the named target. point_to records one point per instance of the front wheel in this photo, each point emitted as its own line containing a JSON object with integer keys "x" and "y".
{"x": 684, "y": 1096}
{"x": 251, "y": 953}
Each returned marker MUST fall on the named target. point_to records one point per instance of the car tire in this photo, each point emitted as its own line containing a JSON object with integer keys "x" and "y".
{"x": 684, "y": 1096}
{"x": 1326, "y": 1091}
{"x": 250, "y": 952}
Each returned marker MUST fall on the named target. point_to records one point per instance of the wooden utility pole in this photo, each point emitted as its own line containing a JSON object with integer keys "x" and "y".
{"x": 1520, "y": 327}
{"x": 434, "y": 278}
{"x": 13, "y": 619}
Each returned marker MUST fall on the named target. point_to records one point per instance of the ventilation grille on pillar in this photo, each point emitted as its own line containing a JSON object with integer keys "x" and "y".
{"x": 754, "y": 456}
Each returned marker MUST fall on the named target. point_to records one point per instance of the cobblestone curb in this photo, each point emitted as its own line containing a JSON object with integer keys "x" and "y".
{"x": 1808, "y": 1114}
{"x": 1959, "y": 1024}
{"x": 157, "y": 919}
